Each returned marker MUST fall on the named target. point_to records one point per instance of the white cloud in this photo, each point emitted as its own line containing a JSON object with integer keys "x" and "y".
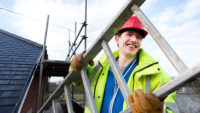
{"x": 148, "y": 4}
{"x": 190, "y": 10}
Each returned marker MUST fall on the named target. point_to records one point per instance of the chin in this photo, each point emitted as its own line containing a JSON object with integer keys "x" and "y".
{"x": 131, "y": 53}
{"x": 135, "y": 51}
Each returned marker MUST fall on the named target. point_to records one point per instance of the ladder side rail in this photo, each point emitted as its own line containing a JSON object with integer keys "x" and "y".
{"x": 90, "y": 99}
{"x": 162, "y": 43}
{"x": 180, "y": 81}
{"x": 116, "y": 70}
{"x": 122, "y": 16}
{"x": 54, "y": 108}
{"x": 68, "y": 100}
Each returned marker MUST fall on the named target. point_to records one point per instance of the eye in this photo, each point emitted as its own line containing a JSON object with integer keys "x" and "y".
{"x": 129, "y": 34}
{"x": 139, "y": 37}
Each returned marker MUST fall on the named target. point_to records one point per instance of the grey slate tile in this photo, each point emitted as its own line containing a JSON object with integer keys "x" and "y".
{"x": 17, "y": 81}
{"x": 8, "y": 101}
{"x": 7, "y": 109}
{"x": 2, "y": 65}
{"x": 13, "y": 77}
{"x": 23, "y": 72}
{"x": 4, "y": 82}
{"x": 11, "y": 87}
{"x": 7, "y": 72}
{"x": 10, "y": 93}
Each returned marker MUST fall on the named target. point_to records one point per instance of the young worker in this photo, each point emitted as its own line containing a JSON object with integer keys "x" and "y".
{"x": 141, "y": 72}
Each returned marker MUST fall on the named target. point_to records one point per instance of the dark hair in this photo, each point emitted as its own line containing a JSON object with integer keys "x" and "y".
{"x": 131, "y": 29}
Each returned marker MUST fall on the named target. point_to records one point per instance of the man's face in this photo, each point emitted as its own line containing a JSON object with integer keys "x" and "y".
{"x": 129, "y": 42}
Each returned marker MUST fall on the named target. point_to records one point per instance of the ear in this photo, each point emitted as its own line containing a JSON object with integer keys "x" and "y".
{"x": 116, "y": 38}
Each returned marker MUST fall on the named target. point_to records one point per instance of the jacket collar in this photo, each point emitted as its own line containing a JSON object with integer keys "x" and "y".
{"x": 145, "y": 60}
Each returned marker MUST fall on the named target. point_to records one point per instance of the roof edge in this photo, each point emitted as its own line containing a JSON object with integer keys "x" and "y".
{"x": 19, "y": 105}
{"x": 21, "y": 38}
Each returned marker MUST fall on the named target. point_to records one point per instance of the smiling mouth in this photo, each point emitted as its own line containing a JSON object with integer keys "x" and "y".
{"x": 131, "y": 46}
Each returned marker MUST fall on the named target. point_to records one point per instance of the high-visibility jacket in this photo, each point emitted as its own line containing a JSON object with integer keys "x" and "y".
{"x": 147, "y": 68}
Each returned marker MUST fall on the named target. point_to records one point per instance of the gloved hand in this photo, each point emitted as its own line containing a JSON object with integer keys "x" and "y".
{"x": 76, "y": 62}
{"x": 144, "y": 103}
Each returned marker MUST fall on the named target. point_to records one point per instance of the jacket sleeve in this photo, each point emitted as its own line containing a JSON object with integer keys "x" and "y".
{"x": 169, "y": 102}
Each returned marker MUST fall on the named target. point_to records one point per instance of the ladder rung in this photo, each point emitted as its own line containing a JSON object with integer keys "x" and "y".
{"x": 117, "y": 73}
{"x": 68, "y": 100}
{"x": 54, "y": 107}
{"x": 88, "y": 91}
{"x": 169, "y": 52}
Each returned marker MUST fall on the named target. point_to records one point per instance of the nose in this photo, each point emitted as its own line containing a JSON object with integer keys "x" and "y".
{"x": 133, "y": 38}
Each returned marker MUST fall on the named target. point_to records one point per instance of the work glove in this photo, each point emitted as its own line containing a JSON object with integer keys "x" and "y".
{"x": 144, "y": 103}
{"x": 76, "y": 62}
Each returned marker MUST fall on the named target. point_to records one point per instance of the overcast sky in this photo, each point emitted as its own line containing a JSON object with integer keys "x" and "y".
{"x": 177, "y": 20}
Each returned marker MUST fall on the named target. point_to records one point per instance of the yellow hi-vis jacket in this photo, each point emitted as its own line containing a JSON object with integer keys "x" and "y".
{"x": 147, "y": 66}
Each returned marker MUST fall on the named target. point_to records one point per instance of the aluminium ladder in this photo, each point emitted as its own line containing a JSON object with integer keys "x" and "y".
{"x": 130, "y": 8}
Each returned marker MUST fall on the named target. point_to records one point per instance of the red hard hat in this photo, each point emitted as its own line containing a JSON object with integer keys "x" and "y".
{"x": 134, "y": 24}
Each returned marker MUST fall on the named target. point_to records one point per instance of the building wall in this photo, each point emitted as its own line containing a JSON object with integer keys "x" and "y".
{"x": 188, "y": 102}
{"x": 188, "y": 97}
{"x": 30, "y": 101}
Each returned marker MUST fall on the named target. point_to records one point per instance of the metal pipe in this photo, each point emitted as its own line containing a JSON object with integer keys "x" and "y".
{"x": 69, "y": 45}
{"x": 41, "y": 64}
{"x": 76, "y": 47}
{"x": 75, "y": 29}
{"x": 76, "y": 38}
{"x": 69, "y": 39}
{"x": 85, "y": 25}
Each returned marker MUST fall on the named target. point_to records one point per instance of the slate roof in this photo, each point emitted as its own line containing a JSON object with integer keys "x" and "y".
{"x": 18, "y": 58}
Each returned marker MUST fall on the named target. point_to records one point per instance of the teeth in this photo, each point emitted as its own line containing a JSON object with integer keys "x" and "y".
{"x": 132, "y": 46}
